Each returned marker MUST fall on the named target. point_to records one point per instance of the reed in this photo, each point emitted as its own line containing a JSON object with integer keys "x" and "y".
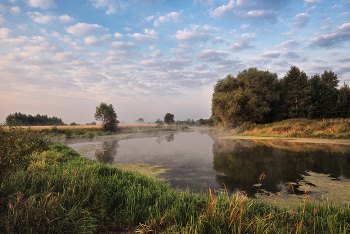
{"x": 52, "y": 189}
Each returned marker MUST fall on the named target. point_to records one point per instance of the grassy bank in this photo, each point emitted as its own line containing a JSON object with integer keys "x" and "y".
{"x": 299, "y": 128}
{"x": 49, "y": 188}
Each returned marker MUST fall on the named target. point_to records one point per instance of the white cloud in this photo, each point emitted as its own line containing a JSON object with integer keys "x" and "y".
{"x": 245, "y": 26}
{"x": 223, "y": 10}
{"x": 82, "y": 29}
{"x": 6, "y": 33}
{"x": 271, "y": 54}
{"x": 306, "y": 2}
{"x": 40, "y": 18}
{"x": 149, "y": 18}
{"x": 289, "y": 43}
{"x": 118, "y": 36}
{"x": 218, "y": 40}
{"x": 149, "y": 36}
{"x": 43, "y": 4}
{"x": 301, "y": 20}
{"x": 65, "y": 56}
{"x": 20, "y": 41}
{"x": 107, "y": 38}
{"x": 211, "y": 55}
{"x": 341, "y": 34}
{"x": 241, "y": 45}
{"x": 92, "y": 41}
{"x": 201, "y": 67}
{"x": 112, "y": 5}
{"x": 39, "y": 44}
{"x": 194, "y": 35}
{"x": 124, "y": 45}
{"x": 157, "y": 54}
{"x": 15, "y": 10}
{"x": 249, "y": 9}
{"x": 65, "y": 19}
{"x": 172, "y": 16}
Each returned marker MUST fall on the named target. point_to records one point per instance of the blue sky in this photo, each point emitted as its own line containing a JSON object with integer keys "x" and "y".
{"x": 149, "y": 57}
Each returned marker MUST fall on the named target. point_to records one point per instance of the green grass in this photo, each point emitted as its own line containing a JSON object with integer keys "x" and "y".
{"x": 299, "y": 128}
{"x": 49, "y": 188}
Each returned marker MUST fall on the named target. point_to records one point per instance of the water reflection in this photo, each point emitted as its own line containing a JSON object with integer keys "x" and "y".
{"x": 168, "y": 138}
{"x": 108, "y": 151}
{"x": 239, "y": 164}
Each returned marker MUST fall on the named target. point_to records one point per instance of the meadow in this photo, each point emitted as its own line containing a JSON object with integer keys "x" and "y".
{"x": 47, "y": 187}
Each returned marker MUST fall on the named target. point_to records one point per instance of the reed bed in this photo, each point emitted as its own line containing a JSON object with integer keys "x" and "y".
{"x": 50, "y": 188}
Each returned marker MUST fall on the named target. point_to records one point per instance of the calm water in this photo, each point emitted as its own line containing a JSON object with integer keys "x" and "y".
{"x": 195, "y": 158}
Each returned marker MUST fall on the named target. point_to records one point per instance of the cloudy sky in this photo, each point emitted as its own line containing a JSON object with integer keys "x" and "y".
{"x": 149, "y": 57}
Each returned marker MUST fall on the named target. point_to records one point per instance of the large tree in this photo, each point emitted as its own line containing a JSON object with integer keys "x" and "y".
{"x": 295, "y": 94}
{"x": 323, "y": 95}
{"x": 252, "y": 96}
{"x": 106, "y": 114}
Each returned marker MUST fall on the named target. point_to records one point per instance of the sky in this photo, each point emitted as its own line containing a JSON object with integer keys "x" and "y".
{"x": 151, "y": 57}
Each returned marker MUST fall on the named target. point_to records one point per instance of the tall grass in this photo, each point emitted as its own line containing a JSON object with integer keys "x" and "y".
{"x": 54, "y": 190}
{"x": 307, "y": 128}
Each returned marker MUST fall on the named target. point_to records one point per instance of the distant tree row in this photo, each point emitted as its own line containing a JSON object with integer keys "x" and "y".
{"x": 259, "y": 96}
{"x": 30, "y": 120}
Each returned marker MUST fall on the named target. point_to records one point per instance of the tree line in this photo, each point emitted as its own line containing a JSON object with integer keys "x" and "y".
{"x": 29, "y": 120}
{"x": 259, "y": 96}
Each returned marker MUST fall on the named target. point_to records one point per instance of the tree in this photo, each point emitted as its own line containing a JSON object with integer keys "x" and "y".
{"x": 295, "y": 94}
{"x": 323, "y": 95}
{"x": 169, "y": 118}
{"x": 251, "y": 96}
{"x": 343, "y": 102}
{"x": 105, "y": 113}
{"x": 159, "y": 122}
{"x": 140, "y": 121}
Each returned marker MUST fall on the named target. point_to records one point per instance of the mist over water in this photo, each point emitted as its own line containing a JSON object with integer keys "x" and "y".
{"x": 195, "y": 158}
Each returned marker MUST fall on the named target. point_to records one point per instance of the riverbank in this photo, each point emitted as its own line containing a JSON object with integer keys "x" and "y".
{"x": 293, "y": 128}
{"x": 49, "y": 188}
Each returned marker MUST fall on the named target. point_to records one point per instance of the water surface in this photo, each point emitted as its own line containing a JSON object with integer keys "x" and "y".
{"x": 196, "y": 158}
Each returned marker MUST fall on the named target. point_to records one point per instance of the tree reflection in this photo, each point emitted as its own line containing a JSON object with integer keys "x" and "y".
{"x": 108, "y": 151}
{"x": 239, "y": 164}
{"x": 168, "y": 138}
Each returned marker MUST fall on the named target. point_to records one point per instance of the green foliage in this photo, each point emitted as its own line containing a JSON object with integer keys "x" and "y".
{"x": 295, "y": 94}
{"x": 259, "y": 97}
{"x": 18, "y": 119}
{"x": 343, "y": 102}
{"x": 106, "y": 114}
{"x": 169, "y": 118}
{"x": 323, "y": 95}
{"x": 15, "y": 145}
{"x": 249, "y": 97}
